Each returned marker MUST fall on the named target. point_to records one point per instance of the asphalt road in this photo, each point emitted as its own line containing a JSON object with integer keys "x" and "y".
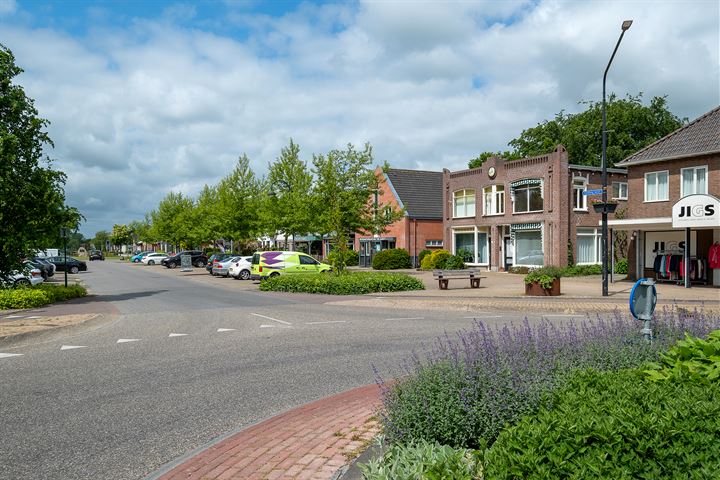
{"x": 185, "y": 361}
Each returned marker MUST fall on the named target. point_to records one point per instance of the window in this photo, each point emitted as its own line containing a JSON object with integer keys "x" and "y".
{"x": 528, "y": 248}
{"x": 433, "y": 243}
{"x": 693, "y": 181}
{"x": 464, "y": 203}
{"x": 619, "y": 190}
{"x": 588, "y": 245}
{"x": 465, "y": 245}
{"x": 305, "y": 260}
{"x": 579, "y": 200}
{"x": 656, "y": 186}
{"x": 388, "y": 213}
{"x": 528, "y": 198}
{"x": 482, "y": 247}
{"x": 494, "y": 197}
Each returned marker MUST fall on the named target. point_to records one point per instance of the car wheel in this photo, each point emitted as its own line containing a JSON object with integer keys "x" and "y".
{"x": 21, "y": 282}
{"x": 74, "y": 270}
{"x": 199, "y": 264}
{"x": 274, "y": 274}
{"x": 245, "y": 275}
{"x": 172, "y": 265}
{"x": 151, "y": 262}
{"x": 136, "y": 261}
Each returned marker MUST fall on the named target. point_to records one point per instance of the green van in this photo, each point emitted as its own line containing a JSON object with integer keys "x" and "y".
{"x": 270, "y": 264}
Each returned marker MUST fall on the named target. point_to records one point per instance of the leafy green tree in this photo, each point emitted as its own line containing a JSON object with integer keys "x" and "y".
{"x": 32, "y": 198}
{"x": 121, "y": 235}
{"x": 480, "y": 159}
{"x": 239, "y": 197}
{"x": 100, "y": 239}
{"x": 631, "y": 127}
{"x": 290, "y": 182}
{"x": 140, "y": 230}
{"x": 344, "y": 198}
{"x": 172, "y": 220}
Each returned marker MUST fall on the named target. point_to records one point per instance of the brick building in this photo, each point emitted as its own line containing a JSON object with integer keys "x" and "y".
{"x": 529, "y": 212}
{"x": 420, "y": 194}
{"x": 682, "y": 164}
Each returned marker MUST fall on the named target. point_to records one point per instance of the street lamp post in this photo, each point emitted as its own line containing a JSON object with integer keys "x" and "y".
{"x": 625, "y": 26}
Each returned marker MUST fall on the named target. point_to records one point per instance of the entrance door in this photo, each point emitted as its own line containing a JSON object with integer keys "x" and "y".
{"x": 508, "y": 252}
{"x": 365, "y": 253}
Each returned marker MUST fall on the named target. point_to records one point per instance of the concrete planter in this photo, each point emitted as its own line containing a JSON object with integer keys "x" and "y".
{"x": 535, "y": 290}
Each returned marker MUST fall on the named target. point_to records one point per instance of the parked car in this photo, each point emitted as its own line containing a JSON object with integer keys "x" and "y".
{"x": 153, "y": 258}
{"x": 197, "y": 258}
{"x": 43, "y": 261}
{"x": 73, "y": 264}
{"x": 222, "y": 267}
{"x": 240, "y": 269}
{"x": 271, "y": 264}
{"x": 30, "y": 264}
{"x": 137, "y": 258}
{"x": 214, "y": 258}
{"x": 96, "y": 255}
{"x": 29, "y": 276}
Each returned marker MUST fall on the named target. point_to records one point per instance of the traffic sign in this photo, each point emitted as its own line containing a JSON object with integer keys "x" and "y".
{"x": 593, "y": 192}
{"x": 643, "y": 298}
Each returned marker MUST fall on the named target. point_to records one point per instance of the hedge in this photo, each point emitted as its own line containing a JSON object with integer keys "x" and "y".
{"x": 351, "y": 283}
{"x": 37, "y": 296}
{"x": 391, "y": 259}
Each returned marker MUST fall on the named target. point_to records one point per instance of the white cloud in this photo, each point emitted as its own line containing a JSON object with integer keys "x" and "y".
{"x": 140, "y": 110}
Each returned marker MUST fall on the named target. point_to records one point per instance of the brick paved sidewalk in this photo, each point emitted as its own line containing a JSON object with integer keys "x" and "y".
{"x": 309, "y": 442}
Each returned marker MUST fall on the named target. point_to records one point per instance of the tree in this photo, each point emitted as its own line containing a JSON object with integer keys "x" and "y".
{"x": 100, "y": 239}
{"x": 631, "y": 126}
{"x": 172, "y": 221}
{"x": 480, "y": 159}
{"x": 344, "y": 198}
{"x": 238, "y": 202}
{"x": 121, "y": 235}
{"x": 32, "y": 197}
{"x": 288, "y": 207}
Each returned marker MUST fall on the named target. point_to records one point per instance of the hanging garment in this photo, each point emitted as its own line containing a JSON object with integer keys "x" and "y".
{"x": 656, "y": 263}
{"x": 663, "y": 259}
{"x": 714, "y": 255}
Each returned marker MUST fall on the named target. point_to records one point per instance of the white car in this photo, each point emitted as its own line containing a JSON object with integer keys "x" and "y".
{"x": 240, "y": 269}
{"x": 31, "y": 276}
{"x": 154, "y": 258}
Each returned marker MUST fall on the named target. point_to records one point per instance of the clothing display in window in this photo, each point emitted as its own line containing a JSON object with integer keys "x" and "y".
{"x": 714, "y": 255}
{"x": 672, "y": 267}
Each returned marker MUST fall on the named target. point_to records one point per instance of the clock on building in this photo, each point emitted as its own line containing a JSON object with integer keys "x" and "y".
{"x": 491, "y": 172}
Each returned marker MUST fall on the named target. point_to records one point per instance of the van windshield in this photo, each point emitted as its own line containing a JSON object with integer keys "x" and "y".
{"x": 256, "y": 259}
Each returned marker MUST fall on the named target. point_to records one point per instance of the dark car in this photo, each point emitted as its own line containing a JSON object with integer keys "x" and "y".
{"x": 197, "y": 258}
{"x": 73, "y": 264}
{"x": 44, "y": 269}
{"x": 96, "y": 255}
{"x": 50, "y": 268}
{"x": 215, "y": 258}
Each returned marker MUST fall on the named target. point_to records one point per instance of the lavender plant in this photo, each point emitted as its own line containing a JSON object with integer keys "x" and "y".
{"x": 467, "y": 388}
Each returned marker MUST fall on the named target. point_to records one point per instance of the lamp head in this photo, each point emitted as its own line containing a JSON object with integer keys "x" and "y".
{"x": 626, "y": 25}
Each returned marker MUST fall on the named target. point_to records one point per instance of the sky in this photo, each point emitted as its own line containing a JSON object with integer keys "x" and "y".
{"x": 148, "y": 97}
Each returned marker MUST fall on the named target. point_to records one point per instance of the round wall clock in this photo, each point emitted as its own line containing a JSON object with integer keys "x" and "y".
{"x": 491, "y": 172}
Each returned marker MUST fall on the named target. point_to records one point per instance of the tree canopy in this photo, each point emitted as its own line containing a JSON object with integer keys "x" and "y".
{"x": 32, "y": 196}
{"x": 631, "y": 126}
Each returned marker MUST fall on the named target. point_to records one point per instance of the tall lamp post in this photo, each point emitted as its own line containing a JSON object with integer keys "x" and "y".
{"x": 625, "y": 26}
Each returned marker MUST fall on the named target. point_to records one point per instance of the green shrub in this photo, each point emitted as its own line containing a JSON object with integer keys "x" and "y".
{"x": 435, "y": 260}
{"x": 352, "y": 258}
{"x": 59, "y": 293}
{"x": 391, "y": 259}
{"x": 351, "y": 283}
{"x": 615, "y": 425}
{"x": 544, "y": 276}
{"x": 621, "y": 266}
{"x": 424, "y": 460}
{"x": 465, "y": 254}
{"x": 422, "y": 255}
{"x": 455, "y": 262}
{"x": 520, "y": 270}
{"x": 693, "y": 358}
{"x": 581, "y": 270}
{"x": 23, "y": 298}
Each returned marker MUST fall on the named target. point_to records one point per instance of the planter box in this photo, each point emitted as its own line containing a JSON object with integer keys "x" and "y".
{"x": 605, "y": 207}
{"x": 534, "y": 289}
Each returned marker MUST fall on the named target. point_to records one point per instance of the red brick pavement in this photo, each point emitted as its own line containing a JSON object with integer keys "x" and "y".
{"x": 309, "y": 442}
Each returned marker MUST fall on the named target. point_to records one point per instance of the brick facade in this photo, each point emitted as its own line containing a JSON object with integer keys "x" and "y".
{"x": 558, "y": 220}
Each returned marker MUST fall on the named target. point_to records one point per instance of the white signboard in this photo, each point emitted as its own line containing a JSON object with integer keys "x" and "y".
{"x": 696, "y": 211}
{"x": 670, "y": 242}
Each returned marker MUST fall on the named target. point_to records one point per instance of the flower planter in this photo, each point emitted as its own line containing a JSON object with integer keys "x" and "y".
{"x": 605, "y": 207}
{"x": 534, "y": 289}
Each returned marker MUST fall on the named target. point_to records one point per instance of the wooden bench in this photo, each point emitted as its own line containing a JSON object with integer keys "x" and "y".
{"x": 444, "y": 276}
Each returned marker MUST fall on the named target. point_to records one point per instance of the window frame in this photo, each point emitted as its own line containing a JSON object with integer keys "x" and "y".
{"x": 597, "y": 235}
{"x": 464, "y": 196}
{"x": 526, "y": 188}
{"x": 576, "y": 195}
{"x": 694, "y": 169}
{"x": 494, "y": 192}
{"x": 667, "y": 192}
{"x": 542, "y": 248}
{"x": 619, "y": 197}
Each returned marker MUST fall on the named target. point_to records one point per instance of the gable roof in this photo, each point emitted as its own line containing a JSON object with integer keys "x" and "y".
{"x": 699, "y": 137}
{"x": 420, "y": 192}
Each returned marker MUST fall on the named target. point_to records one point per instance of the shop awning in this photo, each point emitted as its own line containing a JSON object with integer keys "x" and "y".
{"x": 527, "y": 181}
{"x": 658, "y": 223}
{"x": 525, "y": 226}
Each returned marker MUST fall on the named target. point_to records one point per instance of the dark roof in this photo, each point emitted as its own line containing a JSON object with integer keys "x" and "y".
{"x": 419, "y": 191}
{"x": 590, "y": 168}
{"x": 701, "y": 136}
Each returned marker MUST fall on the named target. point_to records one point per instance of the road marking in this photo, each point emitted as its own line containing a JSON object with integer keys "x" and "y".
{"x": 226, "y": 329}
{"x": 267, "y": 326}
{"x": 14, "y": 316}
{"x": 485, "y": 316}
{"x": 177, "y": 334}
{"x": 72, "y": 347}
{"x": 33, "y": 317}
{"x": 6, "y": 355}
{"x": 548, "y": 315}
{"x": 126, "y": 340}
{"x": 323, "y": 323}
{"x": 273, "y": 319}
{"x": 406, "y": 318}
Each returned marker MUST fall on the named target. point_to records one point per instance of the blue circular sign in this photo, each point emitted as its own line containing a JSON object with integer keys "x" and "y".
{"x": 643, "y": 298}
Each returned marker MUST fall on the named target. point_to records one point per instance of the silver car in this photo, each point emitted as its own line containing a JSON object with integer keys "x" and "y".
{"x": 222, "y": 269}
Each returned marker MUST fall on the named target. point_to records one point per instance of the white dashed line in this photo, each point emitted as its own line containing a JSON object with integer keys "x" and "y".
{"x": 267, "y": 326}
{"x": 177, "y": 334}
{"x": 32, "y": 318}
{"x": 549, "y": 315}
{"x": 273, "y": 319}
{"x": 485, "y": 316}
{"x": 6, "y": 355}
{"x": 406, "y": 318}
{"x": 14, "y": 316}
{"x": 323, "y": 323}
{"x": 226, "y": 329}
{"x": 126, "y": 340}
{"x": 72, "y": 347}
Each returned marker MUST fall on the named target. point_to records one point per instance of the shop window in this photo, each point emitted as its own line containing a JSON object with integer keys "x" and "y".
{"x": 656, "y": 186}
{"x": 465, "y": 245}
{"x": 528, "y": 248}
{"x": 589, "y": 246}
{"x": 494, "y": 200}
{"x": 528, "y": 198}
{"x": 693, "y": 180}
{"x": 482, "y": 248}
{"x": 619, "y": 190}
{"x": 464, "y": 203}
{"x": 579, "y": 199}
